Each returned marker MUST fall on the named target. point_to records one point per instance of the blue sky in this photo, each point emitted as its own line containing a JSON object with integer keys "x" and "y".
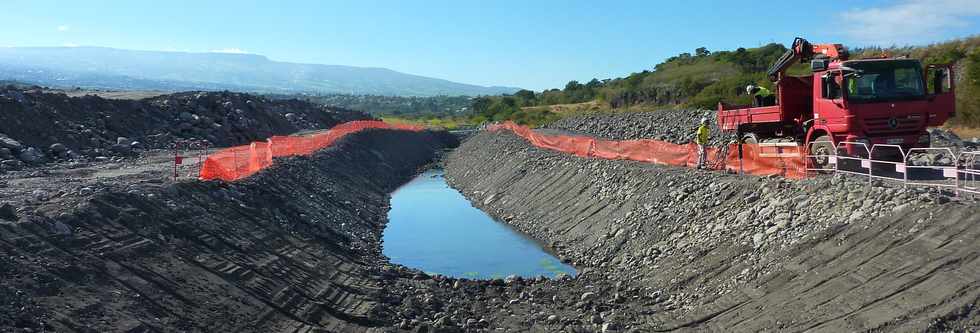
{"x": 530, "y": 44}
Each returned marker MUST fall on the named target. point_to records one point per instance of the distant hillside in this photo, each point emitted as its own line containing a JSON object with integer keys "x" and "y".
{"x": 106, "y": 68}
{"x": 703, "y": 78}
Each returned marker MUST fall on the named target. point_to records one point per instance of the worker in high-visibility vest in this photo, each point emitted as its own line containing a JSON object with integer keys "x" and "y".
{"x": 701, "y": 139}
{"x": 761, "y": 95}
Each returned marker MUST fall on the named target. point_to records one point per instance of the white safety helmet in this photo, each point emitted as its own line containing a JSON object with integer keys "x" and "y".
{"x": 704, "y": 120}
{"x": 750, "y": 88}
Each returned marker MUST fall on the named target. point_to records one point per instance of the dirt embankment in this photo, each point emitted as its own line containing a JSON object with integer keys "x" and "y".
{"x": 295, "y": 248}
{"x": 694, "y": 251}
{"x": 38, "y": 127}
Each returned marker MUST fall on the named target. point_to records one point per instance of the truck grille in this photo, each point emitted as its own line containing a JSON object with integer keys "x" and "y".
{"x": 891, "y": 125}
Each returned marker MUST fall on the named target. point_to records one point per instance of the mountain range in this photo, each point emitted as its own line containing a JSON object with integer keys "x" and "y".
{"x": 119, "y": 69}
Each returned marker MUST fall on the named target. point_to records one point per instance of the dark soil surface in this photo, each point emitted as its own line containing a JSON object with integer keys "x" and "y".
{"x": 38, "y": 127}
{"x": 294, "y": 248}
{"x": 689, "y": 250}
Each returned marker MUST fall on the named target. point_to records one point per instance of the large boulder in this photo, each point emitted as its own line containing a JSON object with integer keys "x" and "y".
{"x": 31, "y": 156}
{"x": 121, "y": 149}
{"x": 58, "y": 148}
{"x": 7, "y": 142}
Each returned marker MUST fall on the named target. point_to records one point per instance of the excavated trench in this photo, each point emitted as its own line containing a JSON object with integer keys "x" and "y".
{"x": 298, "y": 248}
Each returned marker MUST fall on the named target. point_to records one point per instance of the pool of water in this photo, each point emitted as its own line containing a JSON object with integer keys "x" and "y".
{"x": 432, "y": 227}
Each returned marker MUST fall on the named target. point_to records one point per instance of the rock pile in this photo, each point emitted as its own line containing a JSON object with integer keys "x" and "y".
{"x": 675, "y": 126}
{"x": 38, "y": 127}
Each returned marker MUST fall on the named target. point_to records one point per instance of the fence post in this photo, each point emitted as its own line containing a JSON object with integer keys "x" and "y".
{"x": 176, "y": 158}
{"x": 870, "y": 167}
{"x": 905, "y": 175}
{"x": 956, "y": 182}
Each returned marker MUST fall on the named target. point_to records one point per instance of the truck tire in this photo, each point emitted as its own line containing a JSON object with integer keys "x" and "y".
{"x": 822, "y": 145}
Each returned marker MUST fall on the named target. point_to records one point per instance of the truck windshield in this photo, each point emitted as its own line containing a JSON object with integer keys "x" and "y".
{"x": 885, "y": 81}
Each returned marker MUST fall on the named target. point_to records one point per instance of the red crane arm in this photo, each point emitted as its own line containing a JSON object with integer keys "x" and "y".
{"x": 803, "y": 51}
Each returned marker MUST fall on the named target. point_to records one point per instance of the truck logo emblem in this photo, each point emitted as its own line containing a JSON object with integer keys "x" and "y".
{"x": 893, "y": 123}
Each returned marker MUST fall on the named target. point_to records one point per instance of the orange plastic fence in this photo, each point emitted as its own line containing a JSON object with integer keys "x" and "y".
{"x": 238, "y": 162}
{"x": 753, "y": 160}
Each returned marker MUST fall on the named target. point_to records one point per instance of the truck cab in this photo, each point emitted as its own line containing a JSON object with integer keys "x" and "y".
{"x": 878, "y": 101}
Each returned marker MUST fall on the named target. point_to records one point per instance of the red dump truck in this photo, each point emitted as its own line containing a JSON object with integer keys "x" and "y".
{"x": 871, "y": 101}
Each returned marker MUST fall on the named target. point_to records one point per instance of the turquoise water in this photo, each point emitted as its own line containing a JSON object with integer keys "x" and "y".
{"x": 432, "y": 227}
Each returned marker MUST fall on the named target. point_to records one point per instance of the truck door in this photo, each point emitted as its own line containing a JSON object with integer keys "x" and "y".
{"x": 828, "y": 102}
{"x": 940, "y": 88}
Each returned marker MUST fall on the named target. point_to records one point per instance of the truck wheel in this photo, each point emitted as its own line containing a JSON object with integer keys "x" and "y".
{"x": 822, "y": 145}
{"x": 750, "y": 139}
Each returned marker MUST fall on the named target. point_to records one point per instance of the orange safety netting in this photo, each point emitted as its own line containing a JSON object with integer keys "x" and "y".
{"x": 755, "y": 159}
{"x": 238, "y": 162}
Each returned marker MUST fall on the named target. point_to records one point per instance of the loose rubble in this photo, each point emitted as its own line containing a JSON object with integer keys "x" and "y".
{"x": 38, "y": 127}
{"x": 672, "y": 125}
{"x": 703, "y": 241}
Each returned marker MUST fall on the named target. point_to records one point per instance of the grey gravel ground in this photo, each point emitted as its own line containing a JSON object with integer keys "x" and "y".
{"x": 675, "y": 126}
{"x": 709, "y": 251}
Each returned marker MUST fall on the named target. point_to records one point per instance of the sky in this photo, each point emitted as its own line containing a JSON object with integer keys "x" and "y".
{"x": 538, "y": 44}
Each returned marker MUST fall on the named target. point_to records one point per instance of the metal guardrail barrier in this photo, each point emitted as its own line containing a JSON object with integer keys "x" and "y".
{"x": 854, "y": 158}
{"x": 892, "y": 163}
{"x": 968, "y": 172}
{"x": 878, "y": 165}
{"x": 941, "y": 174}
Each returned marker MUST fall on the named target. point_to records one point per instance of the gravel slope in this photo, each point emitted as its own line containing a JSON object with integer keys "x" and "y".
{"x": 38, "y": 127}
{"x": 675, "y": 126}
{"x": 706, "y": 251}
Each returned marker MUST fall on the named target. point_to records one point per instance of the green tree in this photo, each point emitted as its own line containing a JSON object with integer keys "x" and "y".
{"x": 526, "y": 97}
{"x": 702, "y": 52}
{"x": 481, "y": 105}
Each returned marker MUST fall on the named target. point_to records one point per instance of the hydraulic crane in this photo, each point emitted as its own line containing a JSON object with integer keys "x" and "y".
{"x": 866, "y": 101}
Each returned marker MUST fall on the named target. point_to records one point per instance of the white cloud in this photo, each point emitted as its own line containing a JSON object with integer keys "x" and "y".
{"x": 64, "y": 28}
{"x": 234, "y": 50}
{"x": 909, "y": 21}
